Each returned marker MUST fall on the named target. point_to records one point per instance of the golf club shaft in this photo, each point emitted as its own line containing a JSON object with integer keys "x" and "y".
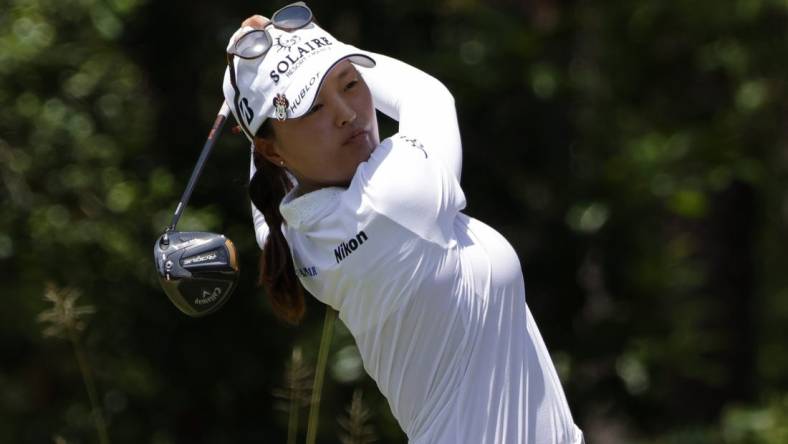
{"x": 221, "y": 118}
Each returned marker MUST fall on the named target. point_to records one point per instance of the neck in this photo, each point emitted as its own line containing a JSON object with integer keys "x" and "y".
{"x": 302, "y": 189}
{"x": 305, "y": 187}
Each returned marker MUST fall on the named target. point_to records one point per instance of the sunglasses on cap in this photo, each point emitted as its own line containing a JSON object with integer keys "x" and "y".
{"x": 257, "y": 42}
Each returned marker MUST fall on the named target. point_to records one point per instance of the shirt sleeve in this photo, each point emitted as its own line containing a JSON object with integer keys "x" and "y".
{"x": 404, "y": 183}
{"x": 421, "y": 104}
{"x": 260, "y": 226}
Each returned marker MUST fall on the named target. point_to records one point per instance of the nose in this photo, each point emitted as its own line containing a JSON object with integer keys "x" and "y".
{"x": 345, "y": 114}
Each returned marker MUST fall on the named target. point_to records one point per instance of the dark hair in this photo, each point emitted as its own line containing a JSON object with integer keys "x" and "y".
{"x": 277, "y": 273}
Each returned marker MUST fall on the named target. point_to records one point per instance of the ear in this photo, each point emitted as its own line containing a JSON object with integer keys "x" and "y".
{"x": 268, "y": 149}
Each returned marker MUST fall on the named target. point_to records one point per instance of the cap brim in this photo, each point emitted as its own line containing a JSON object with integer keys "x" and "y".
{"x": 306, "y": 84}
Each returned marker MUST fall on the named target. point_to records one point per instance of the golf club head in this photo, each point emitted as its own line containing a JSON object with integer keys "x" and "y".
{"x": 198, "y": 271}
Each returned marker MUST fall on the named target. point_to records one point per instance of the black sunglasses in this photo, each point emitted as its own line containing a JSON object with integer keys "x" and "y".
{"x": 256, "y": 43}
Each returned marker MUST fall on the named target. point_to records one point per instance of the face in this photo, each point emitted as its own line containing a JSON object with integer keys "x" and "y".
{"x": 325, "y": 146}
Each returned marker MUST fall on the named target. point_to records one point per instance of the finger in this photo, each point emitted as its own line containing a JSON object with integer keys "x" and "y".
{"x": 255, "y": 21}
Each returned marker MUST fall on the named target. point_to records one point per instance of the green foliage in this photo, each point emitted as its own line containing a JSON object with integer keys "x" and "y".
{"x": 739, "y": 424}
{"x": 762, "y": 425}
{"x": 633, "y": 152}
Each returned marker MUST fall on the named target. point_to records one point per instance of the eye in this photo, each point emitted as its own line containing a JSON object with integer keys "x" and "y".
{"x": 315, "y": 108}
{"x": 351, "y": 84}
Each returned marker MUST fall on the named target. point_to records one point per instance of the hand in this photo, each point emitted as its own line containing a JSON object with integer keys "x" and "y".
{"x": 255, "y": 21}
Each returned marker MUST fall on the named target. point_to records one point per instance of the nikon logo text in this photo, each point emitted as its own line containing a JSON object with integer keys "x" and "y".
{"x": 344, "y": 249}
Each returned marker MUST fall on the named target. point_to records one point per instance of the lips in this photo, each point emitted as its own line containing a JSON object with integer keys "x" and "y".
{"x": 356, "y": 136}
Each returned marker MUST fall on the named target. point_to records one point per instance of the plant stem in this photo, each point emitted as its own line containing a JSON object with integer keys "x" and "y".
{"x": 90, "y": 386}
{"x": 292, "y": 429}
{"x": 295, "y": 401}
{"x": 320, "y": 370}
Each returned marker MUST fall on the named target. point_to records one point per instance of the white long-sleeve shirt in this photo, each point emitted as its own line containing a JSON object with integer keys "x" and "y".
{"x": 434, "y": 299}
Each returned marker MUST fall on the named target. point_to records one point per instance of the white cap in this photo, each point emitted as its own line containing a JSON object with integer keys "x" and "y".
{"x": 293, "y": 69}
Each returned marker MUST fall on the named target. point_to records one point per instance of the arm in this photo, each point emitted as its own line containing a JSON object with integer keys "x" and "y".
{"x": 423, "y": 106}
{"x": 260, "y": 227}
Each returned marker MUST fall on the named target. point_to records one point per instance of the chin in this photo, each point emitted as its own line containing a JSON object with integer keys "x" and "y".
{"x": 369, "y": 154}
{"x": 371, "y": 145}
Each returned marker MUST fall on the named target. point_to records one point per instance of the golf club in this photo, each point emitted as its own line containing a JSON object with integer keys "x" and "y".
{"x": 197, "y": 270}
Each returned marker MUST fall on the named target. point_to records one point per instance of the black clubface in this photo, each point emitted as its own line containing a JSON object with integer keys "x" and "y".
{"x": 198, "y": 271}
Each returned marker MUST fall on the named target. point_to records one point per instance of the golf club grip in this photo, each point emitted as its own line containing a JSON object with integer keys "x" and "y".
{"x": 216, "y": 129}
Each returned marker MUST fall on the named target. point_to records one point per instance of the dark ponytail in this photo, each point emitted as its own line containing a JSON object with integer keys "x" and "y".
{"x": 277, "y": 273}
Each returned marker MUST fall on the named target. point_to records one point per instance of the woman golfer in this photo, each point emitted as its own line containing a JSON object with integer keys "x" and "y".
{"x": 434, "y": 299}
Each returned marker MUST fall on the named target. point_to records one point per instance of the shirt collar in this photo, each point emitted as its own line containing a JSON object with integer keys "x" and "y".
{"x": 303, "y": 211}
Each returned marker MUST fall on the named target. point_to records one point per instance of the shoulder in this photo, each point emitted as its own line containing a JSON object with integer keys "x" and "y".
{"x": 396, "y": 151}
{"x": 400, "y": 161}
{"x": 404, "y": 183}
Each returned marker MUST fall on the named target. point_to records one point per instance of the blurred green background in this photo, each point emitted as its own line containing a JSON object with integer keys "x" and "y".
{"x": 634, "y": 152}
